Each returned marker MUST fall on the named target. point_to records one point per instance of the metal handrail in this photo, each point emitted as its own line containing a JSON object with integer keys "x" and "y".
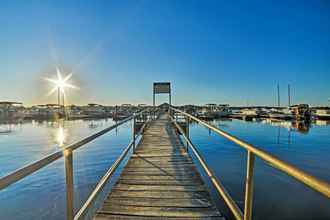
{"x": 221, "y": 189}
{"x": 309, "y": 180}
{"x": 68, "y": 160}
{"x": 37, "y": 165}
{"x": 102, "y": 183}
{"x": 107, "y": 175}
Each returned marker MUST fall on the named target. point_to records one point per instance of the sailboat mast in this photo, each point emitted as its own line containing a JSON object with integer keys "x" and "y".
{"x": 278, "y": 96}
{"x": 289, "y": 95}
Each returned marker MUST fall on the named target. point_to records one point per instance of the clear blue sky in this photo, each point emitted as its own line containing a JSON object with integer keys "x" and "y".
{"x": 212, "y": 51}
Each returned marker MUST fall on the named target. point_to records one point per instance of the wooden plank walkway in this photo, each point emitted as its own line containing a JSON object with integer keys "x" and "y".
{"x": 159, "y": 181}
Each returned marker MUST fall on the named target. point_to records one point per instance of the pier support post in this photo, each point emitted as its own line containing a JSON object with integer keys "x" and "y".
{"x": 69, "y": 184}
{"x": 249, "y": 187}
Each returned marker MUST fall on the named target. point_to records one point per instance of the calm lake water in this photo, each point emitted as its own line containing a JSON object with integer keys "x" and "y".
{"x": 277, "y": 196}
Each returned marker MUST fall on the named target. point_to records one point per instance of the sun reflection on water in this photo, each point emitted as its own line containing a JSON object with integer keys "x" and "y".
{"x": 61, "y": 136}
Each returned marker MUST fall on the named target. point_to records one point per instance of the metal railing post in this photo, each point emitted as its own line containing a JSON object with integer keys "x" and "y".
{"x": 187, "y": 132}
{"x": 155, "y": 113}
{"x": 133, "y": 131}
{"x": 69, "y": 184}
{"x": 220, "y": 188}
{"x": 249, "y": 186}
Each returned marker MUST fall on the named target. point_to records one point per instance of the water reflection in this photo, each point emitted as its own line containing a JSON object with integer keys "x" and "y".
{"x": 92, "y": 125}
{"x": 300, "y": 126}
{"x": 61, "y": 136}
{"x": 58, "y": 132}
{"x": 322, "y": 122}
{"x": 303, "y": 144}
{"x": 34, "y": 141}
{"x": 5, "y": 129}
{"x": 283, "y": 130}
{"x": 61, "y": 133}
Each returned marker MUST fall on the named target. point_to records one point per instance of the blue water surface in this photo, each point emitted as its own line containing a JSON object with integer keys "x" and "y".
{"x": 276, "y": 195}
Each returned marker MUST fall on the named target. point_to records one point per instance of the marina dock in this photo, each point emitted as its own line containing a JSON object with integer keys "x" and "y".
{"x": 159, "y": 181}
{"x": 165, "y": 110}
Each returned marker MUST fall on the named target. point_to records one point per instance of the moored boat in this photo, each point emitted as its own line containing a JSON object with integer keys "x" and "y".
{"x": 322, "y": 114}
{"x": 223, "y": 111}
{"x": 249, "y": 114}
{"x": 284, "y": 114}
{"x": 301, "y": 112}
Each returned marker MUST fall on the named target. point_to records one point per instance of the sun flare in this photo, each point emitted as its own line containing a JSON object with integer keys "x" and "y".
{"x": 60, "y": 83}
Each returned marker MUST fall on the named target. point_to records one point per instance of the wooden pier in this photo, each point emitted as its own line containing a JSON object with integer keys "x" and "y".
{"x": 159, "y": 181}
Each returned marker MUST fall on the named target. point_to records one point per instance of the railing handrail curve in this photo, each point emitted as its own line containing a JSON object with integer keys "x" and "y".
{"x": 82, "y": 211}
{"x": 309, "y": 180}
{"x": 39, "y": 164}
{"x": 219, "y": 186}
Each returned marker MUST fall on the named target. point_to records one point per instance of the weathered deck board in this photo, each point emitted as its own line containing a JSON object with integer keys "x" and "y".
{"x": 159, "y": 181}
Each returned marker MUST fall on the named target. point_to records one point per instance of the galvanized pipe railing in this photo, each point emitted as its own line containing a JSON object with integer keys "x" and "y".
{"x": 218, "y": 185}
{"x": 309, "y": 180}
{"x": 67, "y": 153}
{"x": 83, "y": 210}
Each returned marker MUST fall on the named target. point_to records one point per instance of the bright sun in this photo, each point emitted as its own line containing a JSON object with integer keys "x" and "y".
{"x": 60, "y": 83}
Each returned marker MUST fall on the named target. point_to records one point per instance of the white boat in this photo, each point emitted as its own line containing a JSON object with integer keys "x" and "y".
{"x": 223, "y": 111}
{"x": 322, "y": 114}
{"x": 206, "y": 114}
{"x": 211, "y": 111}
{"x": 250, "y": 112}
{"x": 283, "y": 114}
